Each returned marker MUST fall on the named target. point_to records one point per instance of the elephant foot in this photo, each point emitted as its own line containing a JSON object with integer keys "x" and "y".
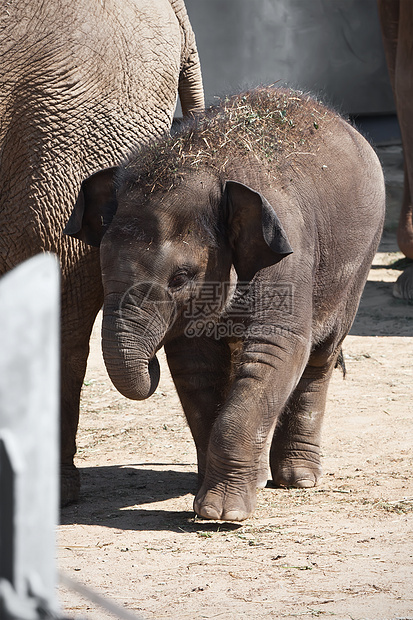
{"x": 219, "y": 504}
{"x": 296, "y": 473}
{"x": 223, "y": 503}
{"x": 228, "y": 493}
{"x": 69, "y": 485}
{"x": 403, "y": 287}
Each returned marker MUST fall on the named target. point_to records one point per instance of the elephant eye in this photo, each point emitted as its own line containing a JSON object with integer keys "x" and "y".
{"x": 179, "y": 279}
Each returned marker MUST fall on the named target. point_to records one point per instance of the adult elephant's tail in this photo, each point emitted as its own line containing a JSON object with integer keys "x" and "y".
{"x": 190, "y": 87}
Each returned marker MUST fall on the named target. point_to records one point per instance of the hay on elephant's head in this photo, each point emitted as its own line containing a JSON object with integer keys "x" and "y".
{"x": 265, "y": 124}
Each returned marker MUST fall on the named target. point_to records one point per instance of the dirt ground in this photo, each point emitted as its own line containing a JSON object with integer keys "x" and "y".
{"x": 343, "y": 549}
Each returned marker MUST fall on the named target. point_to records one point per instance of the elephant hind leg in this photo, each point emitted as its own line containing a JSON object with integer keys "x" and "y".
{"x": 295, "y": 450}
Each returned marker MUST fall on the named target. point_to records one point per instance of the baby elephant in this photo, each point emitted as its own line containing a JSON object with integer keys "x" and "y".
{"x": 241, "y": 244}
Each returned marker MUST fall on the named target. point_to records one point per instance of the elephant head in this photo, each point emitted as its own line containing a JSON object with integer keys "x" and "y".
{"x": 160, "y": 253}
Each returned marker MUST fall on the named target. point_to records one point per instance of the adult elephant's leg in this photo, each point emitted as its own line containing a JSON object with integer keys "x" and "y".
{"x": 396, "y": 18}
{"x": 82, "y": 297}
{"x": 403, "y": 287}
{"x": 201, "y": 371}
{"x": 295, "y": 449}
{"x": 404, "y": 101}
{"x": 389, "y": 12}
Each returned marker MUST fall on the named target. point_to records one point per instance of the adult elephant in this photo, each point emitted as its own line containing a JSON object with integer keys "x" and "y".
{"x": 81, "y": 82}
{"x": 396, "y": 18}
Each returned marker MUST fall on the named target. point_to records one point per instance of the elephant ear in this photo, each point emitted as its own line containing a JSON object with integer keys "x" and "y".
{"x": 94, "y": 209}
{"x": 256, "y": 235}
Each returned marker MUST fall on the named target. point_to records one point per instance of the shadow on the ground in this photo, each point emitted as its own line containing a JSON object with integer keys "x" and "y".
{"x": 381, "y": 314}
{"x": 113, "y": 496}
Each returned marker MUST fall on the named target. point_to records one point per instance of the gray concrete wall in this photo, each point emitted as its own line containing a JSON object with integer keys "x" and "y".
{"x": 330, "y": 47}
{"x": 29, "y": 419}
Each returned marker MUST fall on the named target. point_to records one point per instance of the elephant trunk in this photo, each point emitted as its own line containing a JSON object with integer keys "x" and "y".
{"x": 131, "y": 335}
{"x": 132, "y": 374}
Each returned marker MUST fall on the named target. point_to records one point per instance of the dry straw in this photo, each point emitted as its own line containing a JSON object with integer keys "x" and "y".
{"x": 267, "y": 125}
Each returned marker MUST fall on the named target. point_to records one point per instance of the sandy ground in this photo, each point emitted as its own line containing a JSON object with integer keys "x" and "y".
{"x": 343, "y": 549}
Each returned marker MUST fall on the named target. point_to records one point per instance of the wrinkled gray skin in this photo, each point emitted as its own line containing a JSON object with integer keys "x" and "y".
{"x": 81, "y": 83}
{"x": 267, "y": 384}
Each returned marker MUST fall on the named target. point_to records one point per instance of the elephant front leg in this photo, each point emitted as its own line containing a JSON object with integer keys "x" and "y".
{"x": 236, "y": 449}
{"x": 295, "y": 451}
{"x": 228, "y": 491}
{"x": 201, "y": 371}
{"x": 237, "y": 458}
